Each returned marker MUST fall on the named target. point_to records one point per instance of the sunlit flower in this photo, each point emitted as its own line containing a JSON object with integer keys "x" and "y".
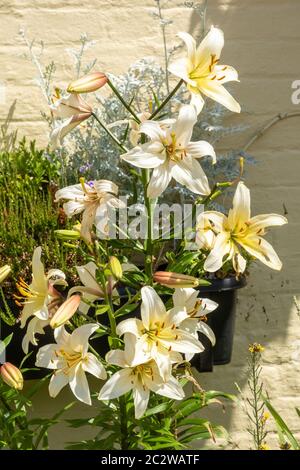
{"x": 94, "y": 200}
{"x": 238, "y": 233}
{"x": 71, "y": 360}
{"x": 159, "y": 333}
{"x": 40, "y": 298}
{"x": 141, "y": 379}
{"x": 71, "y": 110}
{"x": 66, "y": 311}
{"x": 256, "y": 348}
{"x": 89, "y": 83}
{"x": 12, "y": 376}
{"x": 202, "y": 73}
{"x": 197, "y": 310}
{"x": 171, "y": 154}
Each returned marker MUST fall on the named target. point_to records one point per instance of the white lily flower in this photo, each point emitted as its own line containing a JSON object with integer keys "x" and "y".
{"x": 171, "y": 154}
{"x": 71, "y": 360}
{"x": 159, "y": 333}
{"x": 40, "y": 298}
{"x": 141, "y": 379}
{"x": 202, "y": 73}
{"x": 197, "y": 309}
{"x": 71, "y": 110}
{"x": 91, "y": 290}
{"x": 239, "y": 231}
{"x": 94, "y": 200}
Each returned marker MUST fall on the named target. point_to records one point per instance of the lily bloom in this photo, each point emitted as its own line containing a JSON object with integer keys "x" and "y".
{"x": 159, "y": 333}
{"x": 94, "y": 200}
{"x": 197, "y": 310}
{"x": 202, "y": 73}
{"x": 40, "y": 298}
{"x": 141, "y": 379}
{"x": 72, "y": 110}
{"x": 239, "y": 233}
{"x": 171, "y": 154}
{"x": 89, "y": 83}
{"x": 71, "y": 360}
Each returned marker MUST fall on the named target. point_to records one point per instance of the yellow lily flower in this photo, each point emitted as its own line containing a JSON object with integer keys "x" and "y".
{"x": 203, "y": 74}
{"x": 239, "y": 232}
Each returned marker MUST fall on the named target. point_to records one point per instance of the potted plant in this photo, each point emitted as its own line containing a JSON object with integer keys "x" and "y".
{"x": 150, "y": 318}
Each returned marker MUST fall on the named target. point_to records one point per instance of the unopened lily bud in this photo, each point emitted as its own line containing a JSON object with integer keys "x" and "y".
{"x": 67, "y": 234}
{"x": 171, "y": 279}
{"x": 65, "y": 311}
{"x": 77, "y": 227}
{"x": 115, "y": 267}
{"x": 91, "y": 82}
{"x": 4, "y": 272}
{"x": 12, "y": 376}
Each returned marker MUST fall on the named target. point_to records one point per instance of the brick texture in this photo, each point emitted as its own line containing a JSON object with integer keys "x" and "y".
{"x": 262, "y": 41}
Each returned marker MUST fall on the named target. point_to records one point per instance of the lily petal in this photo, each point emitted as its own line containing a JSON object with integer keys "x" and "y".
{"x": 152, "y": 308}
{"x": 189, "y": 173}
{"x": 92, "y": 365}
{"x": 119, "y": 384}
{"x": 79, "y": 384}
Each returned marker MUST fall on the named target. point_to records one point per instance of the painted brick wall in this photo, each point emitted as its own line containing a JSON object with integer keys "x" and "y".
{"x": 262, "y": 41}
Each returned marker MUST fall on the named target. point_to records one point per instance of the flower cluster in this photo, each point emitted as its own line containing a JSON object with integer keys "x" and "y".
{"x": 147, "y": 347}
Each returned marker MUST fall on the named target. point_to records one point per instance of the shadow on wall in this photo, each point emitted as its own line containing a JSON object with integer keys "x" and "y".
{"x": 266, "y": 312}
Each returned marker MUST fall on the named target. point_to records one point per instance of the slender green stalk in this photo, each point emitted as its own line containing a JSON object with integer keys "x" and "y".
{"x": 126, "y": 105}
{"x": 114, "y": 138}
{"x": 123, "y": 423}
{"x": 148, "y": 241}
{"x": 166, "y": 100}
{"x": 163, "y": 28}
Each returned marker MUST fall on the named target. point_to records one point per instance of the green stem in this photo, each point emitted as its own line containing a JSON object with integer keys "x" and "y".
{"x": 123, "y": 423}
{"x": 163, "y": 28}
{"x": 148, "y": 241}
{"x": 126, "y": 105}
{"x": 114, "y": 138}
{"x": 166, "y": 100}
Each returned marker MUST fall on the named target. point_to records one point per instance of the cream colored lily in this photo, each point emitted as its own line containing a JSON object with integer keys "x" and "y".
{"x": 71, "y": 110}
{"x": 202, "y": 73}
{"x": 94, "y": 200}
{"x": 40, "y": 298}
{"x": 171, "y": 154}
{"x": 240, "y": 233}
{"x": 71, "y": 360}
{"x": 159, "y": 333}
{"x": 141, "y": 379}
{"x": 197, "y": 310}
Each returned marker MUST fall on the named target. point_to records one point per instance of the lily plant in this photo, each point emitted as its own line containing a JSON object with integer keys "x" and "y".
{"x": 131, "y": 322}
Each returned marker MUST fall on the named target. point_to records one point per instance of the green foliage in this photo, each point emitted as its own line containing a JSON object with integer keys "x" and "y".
{"x": 27, "y": 167}
{"x": 286, "y": 438}
{"x": 167, "y": 424}
{"x": 28, "y": 215}
{"x": 17, "y": 430}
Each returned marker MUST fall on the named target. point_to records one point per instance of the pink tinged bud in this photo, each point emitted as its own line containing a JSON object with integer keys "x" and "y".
{"x": 12, "y": 376}
{"x": 65, "y": 311}
{"x": 174, "y": 280}
{"x": 88, "y": 83}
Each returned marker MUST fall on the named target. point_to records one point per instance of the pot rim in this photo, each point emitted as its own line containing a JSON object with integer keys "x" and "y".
{"x": 226, "y": 284}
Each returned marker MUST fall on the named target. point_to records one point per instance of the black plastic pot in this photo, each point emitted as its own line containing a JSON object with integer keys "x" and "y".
{"x": 221, "y": 321}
